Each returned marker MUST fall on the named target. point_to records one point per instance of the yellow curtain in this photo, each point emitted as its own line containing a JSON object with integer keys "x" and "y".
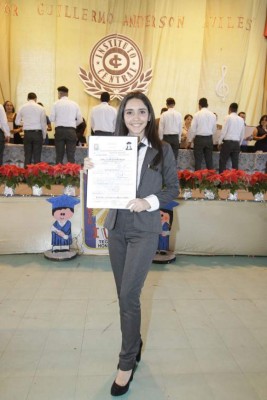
{"x": 5, "y": 57}
{"x": 195, "y": 48}
{"x": 234, "y": 56}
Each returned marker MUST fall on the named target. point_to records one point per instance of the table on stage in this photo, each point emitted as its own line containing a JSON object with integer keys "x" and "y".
{"x": 202, "y": 227}
{"x": 249, "y": 162}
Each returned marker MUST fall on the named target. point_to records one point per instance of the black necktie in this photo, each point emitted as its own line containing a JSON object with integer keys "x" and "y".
{"x": 141, "y": 144}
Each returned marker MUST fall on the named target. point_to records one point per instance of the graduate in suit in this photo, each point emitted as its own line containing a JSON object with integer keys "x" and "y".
{"x": 134, "y": 232}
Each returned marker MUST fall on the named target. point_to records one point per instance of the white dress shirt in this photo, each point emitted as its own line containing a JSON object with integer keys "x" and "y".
{"x": 151, "y": 199}
{"x": 66, "y": 112}
{"x": 233, "y": 128}
{"x": 32, "y": 116}
{"x": 103, "y": 118}
{"x": 203, "y": 124}
{"x": 170, "y": 123}
{"x": 3, "y": 122}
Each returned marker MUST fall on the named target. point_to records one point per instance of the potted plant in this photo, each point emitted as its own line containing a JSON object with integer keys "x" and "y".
{"x": 208, "y": 181}
{"x": 67, "y": 175}
{"x": 38, "y": 176}
{"x": 11, "y": 176}
{"x": 258, "y": 185}
{"x": 233, "y": 180}
{"x": 187, "y": 183}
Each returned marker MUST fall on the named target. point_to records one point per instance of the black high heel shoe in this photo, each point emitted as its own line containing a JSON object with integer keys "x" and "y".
{"x": 117, "y": 390}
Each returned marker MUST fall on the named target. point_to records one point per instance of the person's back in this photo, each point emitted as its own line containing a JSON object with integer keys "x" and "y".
{"x": 32, "y": 116}
{"x": 66, "y": 112}
{"x": 158, "y": 119}
{"x": 231, "y": 138}
{"x": 204, "y": 122}
{"x": 103, "y": 117}
{"x": 201, "y": 132}
{"x": 235, "y": 127}
{"x": 170, "y": 126}
{"x": 66, "y": 115}
{"x": 171, "y": 119}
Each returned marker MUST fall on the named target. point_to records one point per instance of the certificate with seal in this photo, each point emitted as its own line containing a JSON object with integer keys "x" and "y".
{"x": 112, "y": 180}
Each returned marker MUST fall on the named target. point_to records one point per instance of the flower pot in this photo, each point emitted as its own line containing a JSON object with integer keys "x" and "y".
{"x": 233, "y": 196}
{"x": 259, "y": 197}
{"x": 9, "y": 191}
{"x": 69, "y": 190}
{"x": 187, "y": 194}
{"x": 23, "y": 190}
{"x": 223, "y": 194}
{"x": 37, "y": 190}
{"x": 209, "y": 194}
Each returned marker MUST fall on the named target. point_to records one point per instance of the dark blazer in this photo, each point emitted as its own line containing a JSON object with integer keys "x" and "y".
{"x": 160, "y": 180}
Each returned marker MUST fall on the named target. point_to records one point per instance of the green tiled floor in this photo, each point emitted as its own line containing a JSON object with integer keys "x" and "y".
{"x": 204, "y": 329}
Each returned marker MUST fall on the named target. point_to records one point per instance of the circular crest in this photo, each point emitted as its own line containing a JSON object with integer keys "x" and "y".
{"x": 116, "y": 65}
{"x": 116, "y": 61}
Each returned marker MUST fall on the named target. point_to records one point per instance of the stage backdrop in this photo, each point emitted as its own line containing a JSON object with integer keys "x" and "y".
{"x": 191, "y": 48}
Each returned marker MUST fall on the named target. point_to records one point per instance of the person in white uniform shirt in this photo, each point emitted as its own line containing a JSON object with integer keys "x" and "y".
{"x": 66, "y": 115}
{"x": 202, "y": 128}
{"x": 232, "y": 136}
{"x": 170, "y": 126}
{"x": 4, "y": 132}
{"x": 32, "y": 116}
{"x": 103, "y": 117}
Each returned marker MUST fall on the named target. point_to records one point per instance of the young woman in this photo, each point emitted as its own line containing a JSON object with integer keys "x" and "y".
{"x": 134, "y": 232}
{"x": 15, "y": 130}
{"x": 187, "y": 123}
{"x": 260, "y": 135}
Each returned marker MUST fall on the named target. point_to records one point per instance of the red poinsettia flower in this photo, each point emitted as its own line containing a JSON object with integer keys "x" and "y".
{"x": 40, "y": 174}
{"x": 67, "y": 174}
{"x": 208, "y": 180}
{"x": 214, "y": 178}
{"x": 257, "y": 183}
{"x": 186, "y": 179}
{"x": 234, "y": 179}
{"x": 11, "y": 175}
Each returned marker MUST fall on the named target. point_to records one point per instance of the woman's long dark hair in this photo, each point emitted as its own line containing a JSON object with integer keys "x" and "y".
{"x": 262, "y": 118}
{"x": 5, "y": 103}
{"x": 150, "y": 131}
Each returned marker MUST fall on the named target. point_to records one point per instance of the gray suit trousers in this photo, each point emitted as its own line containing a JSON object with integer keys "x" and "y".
{"x": 33, "y": 142}
{"x": 131, "y": 253}
{"x": 229, "y": 149}
{"x": 203, "y": 145}
{"x": 65, "y": 137}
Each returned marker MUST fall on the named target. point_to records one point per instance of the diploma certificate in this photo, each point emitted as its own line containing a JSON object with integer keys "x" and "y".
{"x": 112, "y": 180}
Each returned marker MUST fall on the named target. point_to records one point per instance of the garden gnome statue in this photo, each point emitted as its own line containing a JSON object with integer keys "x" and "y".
{"x": 62, "y": 211}
{"x": 163, "y": 254}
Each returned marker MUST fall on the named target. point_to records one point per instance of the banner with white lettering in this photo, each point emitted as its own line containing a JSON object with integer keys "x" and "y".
{"x": 185, "y": 49}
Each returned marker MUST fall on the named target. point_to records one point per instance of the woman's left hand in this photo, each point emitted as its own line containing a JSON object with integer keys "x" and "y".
{"x": 87, "y": 164}
{"x": 138, "y": 205}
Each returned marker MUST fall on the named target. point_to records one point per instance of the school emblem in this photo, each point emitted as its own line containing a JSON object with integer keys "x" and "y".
{"x": 116, "y": 66}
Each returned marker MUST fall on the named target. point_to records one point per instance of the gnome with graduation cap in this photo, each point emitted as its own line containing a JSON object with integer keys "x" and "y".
{"x": 62, "y": 211}
{"x": 163, "y": 254}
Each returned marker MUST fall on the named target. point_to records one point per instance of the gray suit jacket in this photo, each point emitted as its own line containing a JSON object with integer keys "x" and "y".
{"x": 160, "y": 180}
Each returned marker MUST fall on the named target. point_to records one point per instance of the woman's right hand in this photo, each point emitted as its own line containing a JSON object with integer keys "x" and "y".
{"x": 87, "y": 164}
